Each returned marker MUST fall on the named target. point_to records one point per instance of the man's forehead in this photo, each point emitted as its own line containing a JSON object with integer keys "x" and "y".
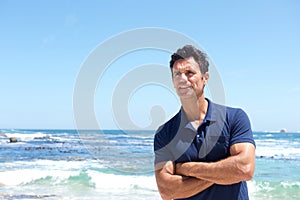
{"x": 186, "y": 63}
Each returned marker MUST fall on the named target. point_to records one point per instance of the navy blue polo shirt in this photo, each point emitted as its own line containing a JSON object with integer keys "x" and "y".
{"x": 178, "y": 141}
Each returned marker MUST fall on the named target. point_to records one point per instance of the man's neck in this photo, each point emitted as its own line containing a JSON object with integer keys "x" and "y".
{"x": 195, "y": 109}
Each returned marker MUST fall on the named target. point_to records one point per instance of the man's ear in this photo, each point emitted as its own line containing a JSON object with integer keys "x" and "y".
{"x": 206, "y": 77}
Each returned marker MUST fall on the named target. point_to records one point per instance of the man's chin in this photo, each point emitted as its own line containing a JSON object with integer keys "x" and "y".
{"x": 187, "y": 95}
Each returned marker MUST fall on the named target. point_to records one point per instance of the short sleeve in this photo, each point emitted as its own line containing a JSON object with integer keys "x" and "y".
{"x": 161, "y": 151}
{"x": 241, "y": 128}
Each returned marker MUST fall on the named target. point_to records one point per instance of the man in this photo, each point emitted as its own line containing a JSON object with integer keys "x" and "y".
{"x": 206, "y": 151}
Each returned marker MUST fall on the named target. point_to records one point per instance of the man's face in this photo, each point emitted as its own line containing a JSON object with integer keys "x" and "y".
{"x": 187, "y": 78}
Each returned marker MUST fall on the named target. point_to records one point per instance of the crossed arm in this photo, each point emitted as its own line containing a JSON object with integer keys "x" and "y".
{"x": 187, "y": 179}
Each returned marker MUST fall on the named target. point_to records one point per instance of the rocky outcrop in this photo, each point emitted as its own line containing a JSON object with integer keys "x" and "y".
{"x": 13, "y": 140}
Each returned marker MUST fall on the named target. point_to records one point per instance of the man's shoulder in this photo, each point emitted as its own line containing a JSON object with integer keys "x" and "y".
{"x": 172, "y": 123}
{"x": 236, "y": 112}
{"x": 229, "y": 110}
{"x": 227, "y": 114}
{"x": 166, "y": 132}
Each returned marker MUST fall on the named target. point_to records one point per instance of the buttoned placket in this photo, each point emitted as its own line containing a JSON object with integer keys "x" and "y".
{"x": 199, "y": 136}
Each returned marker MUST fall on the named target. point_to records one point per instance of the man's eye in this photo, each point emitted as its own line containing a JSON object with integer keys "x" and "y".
{"x": 190, "y": 73}
{"x": 177, "y": 74}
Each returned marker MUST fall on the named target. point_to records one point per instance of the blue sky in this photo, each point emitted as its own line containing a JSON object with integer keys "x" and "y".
{"x": 255, "y": 46}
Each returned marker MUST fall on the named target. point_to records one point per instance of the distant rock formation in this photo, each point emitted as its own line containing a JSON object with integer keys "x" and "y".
{"x": 284, "y": 130}
{"x": 3, "y": 135}
{"x": 13, "y": 140}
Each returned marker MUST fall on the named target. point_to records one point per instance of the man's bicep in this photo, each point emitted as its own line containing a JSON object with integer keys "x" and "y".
{"x": 243, "y": 148}
{"x": 245, "y": 156}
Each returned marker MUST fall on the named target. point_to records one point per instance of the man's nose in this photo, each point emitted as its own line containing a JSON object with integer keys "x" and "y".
{"x": 183, "y": 77}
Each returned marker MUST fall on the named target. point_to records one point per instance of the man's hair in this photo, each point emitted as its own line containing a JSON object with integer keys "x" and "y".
{"x": 190, "y": 51}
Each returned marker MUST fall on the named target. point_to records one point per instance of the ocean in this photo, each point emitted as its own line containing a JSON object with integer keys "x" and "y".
{"x": 114, "y": 164}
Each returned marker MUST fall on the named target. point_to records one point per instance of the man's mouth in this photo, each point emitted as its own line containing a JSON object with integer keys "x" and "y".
{"x": 184, "y": 87}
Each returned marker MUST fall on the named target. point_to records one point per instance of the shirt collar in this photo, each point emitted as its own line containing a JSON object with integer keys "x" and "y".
{"x": 209, "y": 114}
{"x": 209, "y": 117}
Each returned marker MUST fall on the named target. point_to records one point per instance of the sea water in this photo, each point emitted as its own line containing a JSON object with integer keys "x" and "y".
{"x": 114, "y": 164}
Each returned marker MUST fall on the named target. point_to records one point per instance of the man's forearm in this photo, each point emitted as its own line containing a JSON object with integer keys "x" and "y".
{"x": 236, "y": 168}
{"x": 222, "y": 172}
{"x": 172, "y": 186}
{"x": 181, "y": 187}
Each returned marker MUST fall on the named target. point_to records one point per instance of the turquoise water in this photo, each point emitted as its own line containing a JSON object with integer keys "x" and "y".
{"x": 65, "y": 164}
{"x": 277, "y": 174}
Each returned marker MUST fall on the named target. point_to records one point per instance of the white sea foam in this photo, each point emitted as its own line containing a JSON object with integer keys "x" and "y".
{"x": 113, "y": 182}
{"x": 53, "y": 165}
{"x": 22, "y": 172}
{"x": 287, "y": 184}
{"x": 278, "y": 151}
{"x": 107, "y": 182}
{"x": 255, "y": 187}
{"x": 25, "y": 176}
{"x": 25, "y": 137}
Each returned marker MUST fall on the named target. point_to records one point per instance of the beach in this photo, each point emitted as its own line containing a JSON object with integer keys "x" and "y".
{"x": 114, "y": 164}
